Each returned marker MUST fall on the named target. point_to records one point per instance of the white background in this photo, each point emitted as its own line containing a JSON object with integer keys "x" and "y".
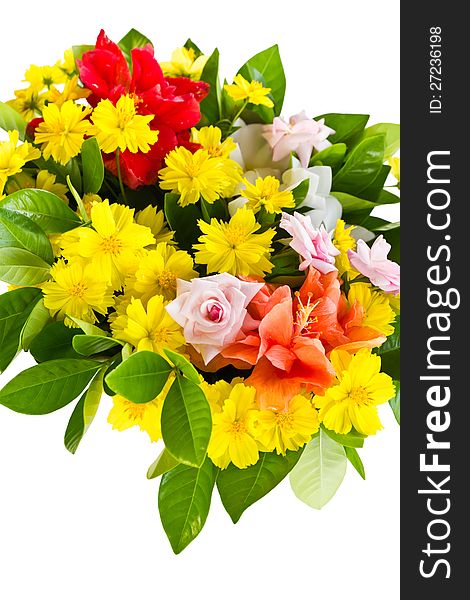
{"x": 87, "y": 526}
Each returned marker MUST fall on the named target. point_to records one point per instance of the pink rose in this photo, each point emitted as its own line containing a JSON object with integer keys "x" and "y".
{"x": 212, "y": 311}
{"x": 313, "y": 245}
{"x": 374, "y": 264}
{"x": 301, "y": 134}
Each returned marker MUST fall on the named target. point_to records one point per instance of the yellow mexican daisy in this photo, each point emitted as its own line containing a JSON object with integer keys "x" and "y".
{"x": 159, "y": 269}
{"x": 13, "y": 157}
{"x": 121, "y": 127}
{"x": 148, "y": 329}
{"x": 126, "y": 414}
{"x": 216, "y": 393}
{"x": 253, "y": 92}
{"x": 265, "y": 193}
{"x": 378, "y": 314}
{"x": 76, "y": 290}
{"x": 28, "y": 102}
{"x": 71, "y": 91}
{"x": 44, "y": 77}
{"x": 67, "y": 65}
{"x": 290, "y": 429}
{"x": 210, "y": 139}
{"x": 233, "y": 438}
{"x": 235, "y": 247}
{"x": 111, "y": 244}
{"x": 394, "y": 163}
{"x": 360, "y": 389}
{"x": 47, "y": 181}
{"x": 344, "y": 241}
{"x": 62, "y": 131}
{"x": 199, "y": 175}
{"x": 184, "y": 63}
{"x": 154, "y": 219}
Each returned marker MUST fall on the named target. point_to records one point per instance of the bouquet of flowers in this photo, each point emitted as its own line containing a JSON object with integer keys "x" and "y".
{"x": 173, "y": 243}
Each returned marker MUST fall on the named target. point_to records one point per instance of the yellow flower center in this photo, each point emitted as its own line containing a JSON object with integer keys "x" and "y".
{"x": 235, "y": 235}
{"x": 237, "y": 428}
{"x": 167, "y": 280}
{"x": 134, "y": 411}
{"x": 283, "y": 419}
{"x": 359, "y": 395}
{"x": 160, "y": 336}
{"x": 78, "y": 290}
{"x": 111, "y": 245}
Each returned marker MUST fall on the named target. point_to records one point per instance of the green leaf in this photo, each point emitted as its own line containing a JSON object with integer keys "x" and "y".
{"x": 89, "y": 328}
{"x": 186, "y": 422}
{"x": 300, "y": 192}
{"x": 49, "y": 386}
{"x": 35, "y": 323}
{"x": 84, "y": 413}
{"x": 18, "y": 231}
{"x": 240, "y": 488}
{"x": 184, "y": 499}
{"x": 79, "y": 51}
{"x": 345, "y": 125}
{"x": 319, "y": 472}
{"x": 140, "y": 378}
{"x": 363, "y": 164}
{"x": 392, "y": 136}
{"x": 354, "y": 458}
{"x": 389, "y": 352}
{"x": 183, "y": 364}
{"x": 132, "y": 39}
{"x": 386, "y": 197}
{"x": 15, "y": 307}
{"x": 54, "y": 342}
{"x": 183, "y": 221}
{"x": 44, "y": 208}
{"x": 10, "y": 120}
{"x": 352, "y": 204}
{"x": 87, "y": 345}
{"x": 164, "y": 463}
{"x": 353, "y": 439}
{"x": 20, "y": 267}
{"x": 210, "y": 105}
{"x": 190, "y": 45}
{"x": 267, "y": 67}
{"x": 395, "y": 402}
{"x": 330, "y": 157}
{"x": 93, "y": 168}
{"x": 392, "y": 235}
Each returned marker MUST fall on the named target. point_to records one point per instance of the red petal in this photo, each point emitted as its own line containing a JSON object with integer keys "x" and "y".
{"x": 146, "y": 72}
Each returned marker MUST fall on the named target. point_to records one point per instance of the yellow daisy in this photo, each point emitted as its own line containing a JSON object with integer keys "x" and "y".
{"x": 76, "y": 290}
{"x": 44, "y": 77}
{"x": 210, "y": 139}
{"x": 235, "y": 247}
{"x": 378, "y": 314}
{"x": 62, "y": 131}
{"x": 360, "y": 389}
{"x": 265, "y": 194}
{"x": 184, "y": 63}
{"x": 28, "y": 102}
{"x": 154, "y": 219}
{"x": 71, "y": 91}
{"x": 344, "y": 241}
{"x": 216, "y": 393}
{"x": 254, "y": 92}
{"x": 13, "y": 157}
{"x": 148, "y": 329}
{"x": 121, "y": 127}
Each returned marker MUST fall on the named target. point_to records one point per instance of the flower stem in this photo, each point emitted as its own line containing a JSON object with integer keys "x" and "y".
{"x": 244, "y": 105}
{"x": 118, "y": 168}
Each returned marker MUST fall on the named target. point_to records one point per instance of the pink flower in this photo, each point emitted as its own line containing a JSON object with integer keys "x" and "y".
{"x": 299, "y": 135}
{"x": 212, "y": 311}
{"x": 313, "y": 245}
{"x": 374, "y": 264}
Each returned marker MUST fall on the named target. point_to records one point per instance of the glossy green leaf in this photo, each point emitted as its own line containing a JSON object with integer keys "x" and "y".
{"x": 352, "y": 204}
{"x": 38, "y": 318}
{"x": 140, "y": 378}
{"x": 240, "y": 488}
{"x": 54, "y": 342}
{"x": 386, "y": 197}
{"x": 345, "y": 125}
{"x": 49, "y": 386}
{"x": 374, "y": 189}
{"x": 87, "y": 345}
{"x": 93, "y": 168}
{"x": 392, "y": 136}
{"x": 354, "y": 458}
{"x": 183, "y": 365}
{"x": 190, "y": 45}
{"x": 84, "y": 413}
{"x": 184, "y": 500}
{"x": 183, "y": 221}
{"x": 210, "y": 105}
{"x": 353, "y": 439}
{"x": 79, "y": 50}
{"x": 319, "y": 472}
{"x": 15, "y": 307}
{"x": 395, "y": 402}
{"x": 300, "y": 192}
{"x": 89, "y": 328}
{"x": 132, "y": 39}
{"x": 164, "y": 463}
{"x": 266, "y": 66}
{"x": 18, "y": 231}
{"x": 389, "y": 352}
{"x": 186, "y": 422}
{"x": 20, "y": 267}
{"x": 10, "y": 120}
{"x": 330, "y": 157}
{"x": 44, "y": 208}
{"x": 393, "y": 237}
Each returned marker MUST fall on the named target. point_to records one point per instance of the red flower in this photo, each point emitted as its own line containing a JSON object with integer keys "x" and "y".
{"x": 174, "y": 102}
